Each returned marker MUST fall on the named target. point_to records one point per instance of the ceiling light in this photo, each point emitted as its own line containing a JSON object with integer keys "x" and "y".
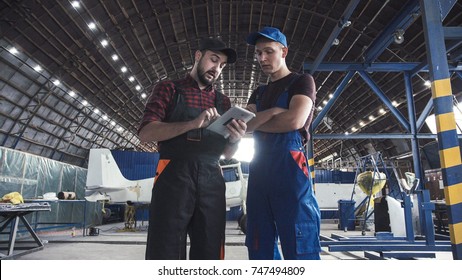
{"x": 394, "y": 103}
{"x": 96, "y": 111}
{"x": 38, "y": 68}
{"x": 143, "y": 95}
{"x": 13, "y": 50}
{"x": 92, "y": 25}
{"x": 104, "y": 43}
{"x": 75, "y": 4}
{"x": 123, "y": 69}
{"x": 353, "y": 129}
{"x": 331, "y": 95}
{"x": 71, "y": 93}
{"x": 361, "y": 123}
{"x": 371, "y": 118}
{"x": 56, "y": 82}
{"x": 427, "y": 83}
{"x": 114, "y": 57}
{"x": 84, "y": 103}
{"x": 335, "y": 42}
{"x": 346, "y": 133}
{"x": 120, "y": 129}
{"x": 398, "y": 36}
{"x": 324, "y": 102}
{"x": 346, "y": 23}
{"x": 138, "y": 87}
{"x": 105, "y": 117}
{"x": 319, "y": 108}
{"x": 131, "y": 78}
{"x": 113, "y": 123}
{"x": 382, "y": 111}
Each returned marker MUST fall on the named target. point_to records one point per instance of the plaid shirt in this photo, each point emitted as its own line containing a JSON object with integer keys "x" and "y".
{"x": 161, "y": 101}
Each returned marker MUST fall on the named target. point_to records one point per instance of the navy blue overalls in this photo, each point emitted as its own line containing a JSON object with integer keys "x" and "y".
{"x": 280, "y": 198}
{"x": 188, "y": 197}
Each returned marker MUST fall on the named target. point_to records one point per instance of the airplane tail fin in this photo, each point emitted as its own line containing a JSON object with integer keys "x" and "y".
{"x": 103, "y": 171}
{"x": 105, "y": 180}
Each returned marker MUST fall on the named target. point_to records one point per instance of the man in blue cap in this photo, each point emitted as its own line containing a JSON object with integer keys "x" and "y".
{"x": 280, "y": 199}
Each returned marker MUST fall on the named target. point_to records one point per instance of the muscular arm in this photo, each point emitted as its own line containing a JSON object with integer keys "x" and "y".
{"x": 289, "y": 120}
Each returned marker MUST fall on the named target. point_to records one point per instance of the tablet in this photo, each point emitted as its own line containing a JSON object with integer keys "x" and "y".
{"x": 237, "y": 113}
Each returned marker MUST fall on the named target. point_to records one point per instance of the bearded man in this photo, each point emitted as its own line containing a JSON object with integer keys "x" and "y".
{"x": 188, "y": 197}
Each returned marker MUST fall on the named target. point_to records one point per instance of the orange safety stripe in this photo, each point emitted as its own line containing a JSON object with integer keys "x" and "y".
{"x": 161, "y": 166}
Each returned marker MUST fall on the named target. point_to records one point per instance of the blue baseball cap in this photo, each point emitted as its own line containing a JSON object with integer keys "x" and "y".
{"x": 271, "y": 33}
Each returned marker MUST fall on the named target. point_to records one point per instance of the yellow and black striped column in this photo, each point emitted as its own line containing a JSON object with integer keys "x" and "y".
{"x": 448, "y": 143}
{"x": 450, "y": 160}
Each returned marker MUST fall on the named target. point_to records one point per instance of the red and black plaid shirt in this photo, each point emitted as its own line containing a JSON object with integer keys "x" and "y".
{"x": 160, "y": 102}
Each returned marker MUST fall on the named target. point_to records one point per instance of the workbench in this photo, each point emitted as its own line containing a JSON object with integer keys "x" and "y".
{"x": 11, "y": 215}
{"x": 78, "y": 224}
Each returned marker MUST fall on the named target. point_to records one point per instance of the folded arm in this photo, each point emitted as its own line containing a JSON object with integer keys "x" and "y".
{"x": 280, "y": 120}
{"x": 261, "y": 117}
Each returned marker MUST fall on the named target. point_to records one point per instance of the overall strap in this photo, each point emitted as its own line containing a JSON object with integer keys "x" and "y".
{"x": 176, "y": 95}
{"x": 259, "y": 95}
{"x": 260, "y": 91}
{"x": 176, "y": 99}
{"x": 219, "y": 102}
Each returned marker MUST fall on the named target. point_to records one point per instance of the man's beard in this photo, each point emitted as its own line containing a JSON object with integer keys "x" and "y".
{"x": 201, "y": 75}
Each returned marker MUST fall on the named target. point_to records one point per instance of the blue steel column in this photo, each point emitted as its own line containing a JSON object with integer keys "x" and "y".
{"x": 417, "y": 163}
{"x": 414, "y": 130}
{"x": 425, "y": 216}
{"x": 448, "y": 143}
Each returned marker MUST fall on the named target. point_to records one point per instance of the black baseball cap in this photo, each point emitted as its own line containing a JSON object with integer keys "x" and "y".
{"x": 215, "y": 44}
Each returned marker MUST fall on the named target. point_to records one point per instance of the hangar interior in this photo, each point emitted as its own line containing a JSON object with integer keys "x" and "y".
{"x": 76, "y": 76}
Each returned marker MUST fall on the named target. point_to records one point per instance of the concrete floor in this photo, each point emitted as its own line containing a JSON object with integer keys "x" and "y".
{"x": 119, "y": 254}
{"x": 114, "y": 243}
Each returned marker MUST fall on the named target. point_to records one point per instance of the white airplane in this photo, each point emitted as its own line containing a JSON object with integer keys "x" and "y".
{"x": 105, "y": 181}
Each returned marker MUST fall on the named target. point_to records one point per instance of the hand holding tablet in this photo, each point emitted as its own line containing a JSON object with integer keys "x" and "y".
{"x": 237, "y": 113}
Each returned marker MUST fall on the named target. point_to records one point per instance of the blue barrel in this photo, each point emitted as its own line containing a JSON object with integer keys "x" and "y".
{"x": 346, "y": 209}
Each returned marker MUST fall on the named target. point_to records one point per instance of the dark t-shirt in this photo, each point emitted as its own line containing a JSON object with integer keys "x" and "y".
{"x": 301, "y": 84}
